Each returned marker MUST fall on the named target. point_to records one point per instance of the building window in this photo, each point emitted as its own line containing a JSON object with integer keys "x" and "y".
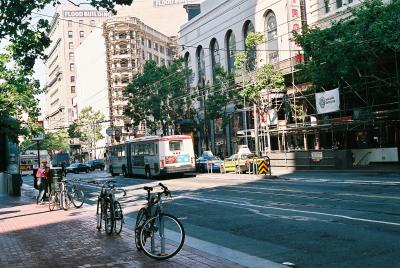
{"x": 142, "y": 41}
{"x": 188, "y": 66}
{"x": 251, "y": 51}
{"x": 122, "y": 36}
{"x": 149, "y": 43}
{"x": 70, "y": 45}
{"x": 81, "y": 34}
{"x": 125, "y": 79}
{"x": 327, "y": 6}
{"x": 69, "y": 23}
{"x": 215, "y": 57}
{"x": 231, "y": 50}
{"x": 123, "y": 49}
{"x": 80, "y": 23}
{"x": 339, "y": 3}
{"x": 201, "y": 66}
{"x": 69, "y": 34}
{"x": 161, "y": 49}
{"x": 133, "y": 64}
{"x": 72, "y": 89}
{"x": 156, "y": 59}
{"x": 124, "y": 63}
{"x": 71, "y": 56}
{"x": 72, "y": 67}
{"x": 149, "y": 56}
{"x": 72, "y": 79}
{"x": 272, "y": 38}
{"x": 163, "y": 62}
{"x": 143, "y": 55}
{"x": 92, "y": 23}
{"x": 155, "y": 46}
{"x": 350, "y": 1}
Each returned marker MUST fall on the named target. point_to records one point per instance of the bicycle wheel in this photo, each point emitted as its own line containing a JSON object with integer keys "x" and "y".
{"x": 118, "y": 217}
{"x": 108, "y": 218}
{"x": 77, "y": 198}
{"x": 162, "y": 236}
{"x": 141, "y": 217}
{"x": 52, "y": 201}
{"x": 99, "y": 213}
{"x": 64, "y": 200}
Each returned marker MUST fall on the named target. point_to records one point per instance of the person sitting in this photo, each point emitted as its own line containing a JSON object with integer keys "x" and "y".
{"x": 42, "y": 176}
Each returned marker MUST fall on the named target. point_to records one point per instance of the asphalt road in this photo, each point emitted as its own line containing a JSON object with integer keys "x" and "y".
{"x": 309, "y": 219}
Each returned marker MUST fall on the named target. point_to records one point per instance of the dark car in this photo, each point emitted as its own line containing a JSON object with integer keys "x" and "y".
{"x": 78, "y": 167}
{"x": 95, "y": 164}
{"x": 207, "y": 163}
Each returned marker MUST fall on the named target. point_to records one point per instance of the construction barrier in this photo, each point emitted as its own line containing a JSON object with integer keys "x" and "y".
{"x": 263, "y": 166}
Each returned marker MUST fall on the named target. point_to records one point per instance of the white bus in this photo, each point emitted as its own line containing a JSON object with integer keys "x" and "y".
{"x": 152, "y": 156}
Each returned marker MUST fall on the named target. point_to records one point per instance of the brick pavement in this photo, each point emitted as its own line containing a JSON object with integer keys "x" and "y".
{"x": 32, "y": 236}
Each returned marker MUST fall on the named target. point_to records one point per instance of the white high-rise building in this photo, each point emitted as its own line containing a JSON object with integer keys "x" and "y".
{"x": 69, "y": 27}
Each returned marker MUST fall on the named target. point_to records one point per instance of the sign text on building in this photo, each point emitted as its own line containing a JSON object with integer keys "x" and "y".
{"x": 87, "y": 13}
{"x": 161, "y": 3}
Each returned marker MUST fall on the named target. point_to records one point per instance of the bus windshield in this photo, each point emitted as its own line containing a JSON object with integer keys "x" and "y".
{"x": 175, "y": 145}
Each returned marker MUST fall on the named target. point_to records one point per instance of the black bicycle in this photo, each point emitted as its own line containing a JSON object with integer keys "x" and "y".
{"x": 158, "y": 234}
{"x": 108, "y": 209}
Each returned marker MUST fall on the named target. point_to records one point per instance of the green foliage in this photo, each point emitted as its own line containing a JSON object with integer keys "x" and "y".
{"x": 243, "y": 59}
{"x": 88, "y": 128}
{"x": 159, "y": 96}
{"x": 220, "y": 95}
{"x": 357, "y": 49}
{"x": 28, "y": 39}
{"x": 57, "y": 141}
{"x": 18, "y": 104}
{"x": 265, "y": 77}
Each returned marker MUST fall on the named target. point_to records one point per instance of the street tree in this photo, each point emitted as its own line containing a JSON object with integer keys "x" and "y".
{"x": 358, "y": 52}
{"x": 27, "y": 39}
{"x": 18, "y": 104}
{"x": 53, "y": 141}
{"x": 159, "y": 96}
{"x": 217, "y": 98}
{"x": 89, "y": 126}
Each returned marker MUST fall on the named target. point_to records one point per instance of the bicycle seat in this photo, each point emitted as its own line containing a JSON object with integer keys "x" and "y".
{"x": 149, "y": 189}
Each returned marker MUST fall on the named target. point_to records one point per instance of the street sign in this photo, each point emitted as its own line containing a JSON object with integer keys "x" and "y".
{"x": 109, "y": 131}
{"x": 38, "y": 137}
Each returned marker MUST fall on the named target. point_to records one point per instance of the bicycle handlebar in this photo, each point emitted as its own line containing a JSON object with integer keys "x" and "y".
{"x": 164, "y": 188}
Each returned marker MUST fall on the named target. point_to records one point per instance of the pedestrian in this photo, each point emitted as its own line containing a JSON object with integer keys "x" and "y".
{"x": 42, "y": 175}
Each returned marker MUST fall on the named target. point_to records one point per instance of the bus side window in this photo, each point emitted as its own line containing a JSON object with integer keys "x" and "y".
{"x": 156, "y": 149}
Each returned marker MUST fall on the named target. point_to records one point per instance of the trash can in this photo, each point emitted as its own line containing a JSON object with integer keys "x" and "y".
{"x": 16, "y": 184}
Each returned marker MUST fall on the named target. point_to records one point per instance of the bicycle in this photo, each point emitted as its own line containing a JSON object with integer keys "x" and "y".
{"x": 75, "y": 196}
{"x": 58, "y": 196}
{"x": 108, "y": 209}
{"x": 158, "y": 234}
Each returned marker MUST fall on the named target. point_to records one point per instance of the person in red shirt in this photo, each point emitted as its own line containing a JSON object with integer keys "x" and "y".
{"x": 42, "y": 176}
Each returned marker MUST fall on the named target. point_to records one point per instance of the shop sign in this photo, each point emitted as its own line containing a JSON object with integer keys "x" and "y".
{"x": 281, "y": 124}
{"x": 316, "y": 156}
{"x": 328, "y": 101}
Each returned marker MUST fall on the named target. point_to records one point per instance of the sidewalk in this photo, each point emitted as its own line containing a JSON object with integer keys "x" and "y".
{"x": 32, "y": 236}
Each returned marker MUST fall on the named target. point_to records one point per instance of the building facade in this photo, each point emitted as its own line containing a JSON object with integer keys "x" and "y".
{"x": 289, "y": 122}
{"x": 214, "y": 37}
{"x": 69, "y": 28}
{"x": 129, "y": 44}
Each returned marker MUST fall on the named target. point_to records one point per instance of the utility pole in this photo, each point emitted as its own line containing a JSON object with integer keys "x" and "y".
{"x": 256, "y": 130}
{"x": 94, "y": 139}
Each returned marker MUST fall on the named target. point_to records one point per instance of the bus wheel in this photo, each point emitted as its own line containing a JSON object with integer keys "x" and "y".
{"x": 112, "y": 171}
{"x": 148, "y": 173}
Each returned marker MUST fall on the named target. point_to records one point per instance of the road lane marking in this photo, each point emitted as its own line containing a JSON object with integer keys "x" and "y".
{"x": 291, "y": 210}
{"x": 371, "y": 196}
